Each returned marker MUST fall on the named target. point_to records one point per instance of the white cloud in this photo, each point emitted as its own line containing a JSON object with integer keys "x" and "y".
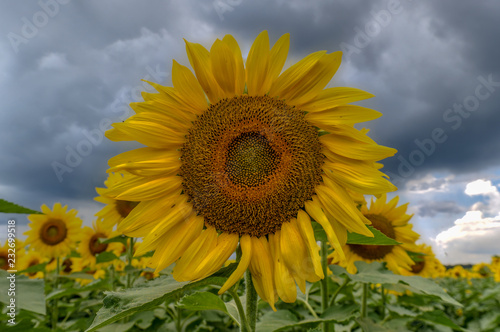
{"x": 474, "y": 237}
{"x": 480, "y": 187}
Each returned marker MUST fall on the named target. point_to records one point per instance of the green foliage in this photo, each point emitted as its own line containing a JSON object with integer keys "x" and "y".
{"x": 375, "y": 273}
{"x": 29, "y": 293}
{"x": 378, "y": 238}
{"x": 9, "y": 207}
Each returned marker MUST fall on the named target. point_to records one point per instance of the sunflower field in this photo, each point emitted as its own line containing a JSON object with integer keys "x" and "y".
{"x": 254, "y": 205}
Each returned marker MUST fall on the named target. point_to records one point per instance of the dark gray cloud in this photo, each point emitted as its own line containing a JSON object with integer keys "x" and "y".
{"x": 433, "y": 208}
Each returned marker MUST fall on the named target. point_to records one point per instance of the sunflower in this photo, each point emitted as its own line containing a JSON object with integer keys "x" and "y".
{"x": 457, "y": 272}
{"x": 115, "y": 210}
{"x": 392, "y": 221}
{"x": 54, "y": 233}
{"x": 425, "y": 262}
{"x": 481, "y": 270}
{"x": 32, "y": 258}
{"x": 90, "y": 244}
{"x": 242, "y": 153}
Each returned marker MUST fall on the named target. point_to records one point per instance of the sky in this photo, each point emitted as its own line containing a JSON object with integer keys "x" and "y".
{"x": 69, "y": 69}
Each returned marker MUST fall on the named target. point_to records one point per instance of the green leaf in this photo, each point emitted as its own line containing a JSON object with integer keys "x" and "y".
{"x": 96, "y": 285}
{"x": 35, "y": 268}
{"x": 379, "y": 238}
{"x": 283, "y": 319}
{"x": 437, "y": 317}
{"x": 401, "y": 311}
{"x": 375, "y": 273}
{"x": 120, "y": 239}
{"x": 8, "y": 207}
{"x": 148, "y": 295}
{"x": 206, "y": 301}
{"x": 29, "y": 293}
{"x": 105, "y": 256}
{"x": 370, "y": 326}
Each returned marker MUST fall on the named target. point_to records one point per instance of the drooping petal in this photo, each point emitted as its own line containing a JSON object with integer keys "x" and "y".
{"x": 307, "y": 232}
{"x": 283, "y": 279}
{"x": 246, "y": 256}
{"x": 262, "y": 269}
{"x": 195, "y": 254}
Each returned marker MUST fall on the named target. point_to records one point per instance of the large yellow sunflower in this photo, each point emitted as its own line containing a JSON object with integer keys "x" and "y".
{"x": 392, "y": 221}
{"x": 242, "y": 153}
{"x": 426, "y": 264}
{"x": 54, "y": 233}
{"x": 115, "y": 210}
{"x": 90, "y": 246}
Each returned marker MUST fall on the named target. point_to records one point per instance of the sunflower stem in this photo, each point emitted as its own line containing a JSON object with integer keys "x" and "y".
{"x": 364, "y": 299}
{"x": 252, "y": 299}
{"x": 383, "y": 301}
{"x": 55, "y": 311}
{"x": 337, "y": 291}
{"x": 244, "y": 327}
{"x": 130, "y": 254}
{"x": 324, "y": 283}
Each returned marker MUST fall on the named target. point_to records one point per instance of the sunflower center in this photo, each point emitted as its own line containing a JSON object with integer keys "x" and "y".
{"x": 250, "y": 159}
{"x": 53, "y": 232}
{"x": 250, "y": 163}
{"x": 3, "y": 263}
{"x": 373, "y": 252}
{"x": 95, "y": 246}
{"x": 67, "y": 265}
{"x": 125, "y": 207}
{"x": 418, "y": 266}
{"x": 33, "y": 262}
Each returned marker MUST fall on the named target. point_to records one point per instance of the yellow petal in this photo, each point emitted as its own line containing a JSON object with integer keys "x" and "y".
{"x": 359, "y": 177}
{"x": 188, "y": 87}
{"x": 295, "y": 253}
{"x": 346, "y": 114}
{"x": 307, "y": 232}
{"x": 223, "y": 67}
{"x": 178, "y": 214}
{"x": 226, "y": 245}
{"x": 278, "y": 56}
{"x": 262, "y": 269}
{"x": 138, "y": 188}
{"x": 152, "y": 134}
{"x": 351, "y": 148}
{"x": 246, "y": 255}
{"x": 332, "y": 97}
{"x": 117, "y": 135}
{"x": 195, "y": 254}
{"x": 257, "y": 65}
{"x": 143, "y": 218}
{"x": 313, "y": 208}
{"x": 147, "y": 162}
{"x": 199, "y": 58}
{"x": 340, "y": 205}
{"x": 240, "y": 69}
{"x": 284, "y": 84}
{"x": 285, "y": 284}
{"x": 314, "y": 80}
